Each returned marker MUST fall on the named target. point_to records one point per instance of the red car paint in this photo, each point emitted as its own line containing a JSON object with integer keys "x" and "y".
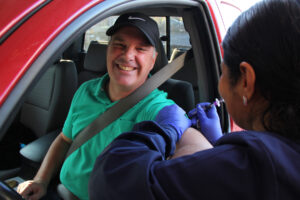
{"x": 25, "y": 44}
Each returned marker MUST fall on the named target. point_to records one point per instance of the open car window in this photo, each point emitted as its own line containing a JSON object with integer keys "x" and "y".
{"x": 185, "y": 26}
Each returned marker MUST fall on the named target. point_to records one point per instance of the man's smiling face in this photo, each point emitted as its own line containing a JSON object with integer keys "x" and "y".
{"x": 130, "y": 57}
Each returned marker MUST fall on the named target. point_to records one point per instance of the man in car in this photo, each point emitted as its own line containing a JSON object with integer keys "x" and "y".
{"x": 131, "y": 55}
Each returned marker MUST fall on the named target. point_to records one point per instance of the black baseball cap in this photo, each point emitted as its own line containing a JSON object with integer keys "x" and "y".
{"x": 144, "y": 23}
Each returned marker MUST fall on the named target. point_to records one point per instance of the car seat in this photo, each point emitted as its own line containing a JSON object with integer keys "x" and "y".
{"x": 46, "y": 108}
{"x": 188, "y": 72}
{"x": 179, "y": 90}
{"x": 94, "y": 63}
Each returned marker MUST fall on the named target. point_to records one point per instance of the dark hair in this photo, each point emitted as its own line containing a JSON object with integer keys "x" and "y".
{"x": 267, "y": 36}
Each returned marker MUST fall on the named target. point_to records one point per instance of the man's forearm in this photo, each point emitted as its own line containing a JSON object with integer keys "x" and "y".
{"x": 53, "y": 160}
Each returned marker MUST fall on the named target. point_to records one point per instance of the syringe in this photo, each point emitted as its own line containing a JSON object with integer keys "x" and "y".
{"x": 217, "y": 103}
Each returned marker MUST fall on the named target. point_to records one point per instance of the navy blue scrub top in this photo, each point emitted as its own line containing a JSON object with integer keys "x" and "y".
{"x": 242, "y": 165}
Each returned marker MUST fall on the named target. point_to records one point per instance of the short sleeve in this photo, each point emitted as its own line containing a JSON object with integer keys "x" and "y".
{"x": 67, "y": 128}
{"x": 158, "y": 101}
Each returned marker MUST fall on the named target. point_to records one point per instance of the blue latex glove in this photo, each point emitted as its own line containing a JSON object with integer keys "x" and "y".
{"x": 173, "y": 117}
{"x": 207, "y": 121}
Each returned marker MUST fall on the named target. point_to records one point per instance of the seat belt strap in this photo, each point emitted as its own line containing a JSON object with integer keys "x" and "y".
{"x": 126, "y": 103}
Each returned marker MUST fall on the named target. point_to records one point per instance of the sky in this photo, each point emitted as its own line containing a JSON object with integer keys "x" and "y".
{"x": 247, "y": 3}
{"x": 232, "y": 9}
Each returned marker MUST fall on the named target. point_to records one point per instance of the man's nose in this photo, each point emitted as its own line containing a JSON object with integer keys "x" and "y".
{"x": 129, "y": 53}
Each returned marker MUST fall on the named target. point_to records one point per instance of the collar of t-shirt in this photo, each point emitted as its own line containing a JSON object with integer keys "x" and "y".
{"x": 101, "y": 91}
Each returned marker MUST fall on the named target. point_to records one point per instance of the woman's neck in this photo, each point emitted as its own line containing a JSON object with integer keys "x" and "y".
{"x": 257, "y": 115}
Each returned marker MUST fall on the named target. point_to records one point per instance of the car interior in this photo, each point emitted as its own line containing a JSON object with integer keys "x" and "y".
{"x": 40, "y": 116}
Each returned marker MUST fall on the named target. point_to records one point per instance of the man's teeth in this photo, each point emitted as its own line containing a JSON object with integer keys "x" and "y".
{"x": 125, "y": 68}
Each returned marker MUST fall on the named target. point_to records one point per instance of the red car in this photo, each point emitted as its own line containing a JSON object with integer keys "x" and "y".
{"x": 49, "y": 47}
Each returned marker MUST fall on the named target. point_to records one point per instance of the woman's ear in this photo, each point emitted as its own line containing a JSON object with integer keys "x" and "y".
{"x": 248, "y": 78}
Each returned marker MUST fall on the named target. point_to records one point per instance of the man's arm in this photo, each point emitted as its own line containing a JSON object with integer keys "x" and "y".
{"x": 135, "y": 166}
{"x": 132, "y": 157}
{"x": 54, "y": 158}
{"x": 191, "y": 142}
{"x": 129, "y": 157}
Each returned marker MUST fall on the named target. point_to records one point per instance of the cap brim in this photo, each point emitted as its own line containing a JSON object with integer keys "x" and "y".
{"x": 112, "y": 30}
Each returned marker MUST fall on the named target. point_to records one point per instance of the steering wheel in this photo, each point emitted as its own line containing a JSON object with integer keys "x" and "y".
{"x": 8, "y": 193}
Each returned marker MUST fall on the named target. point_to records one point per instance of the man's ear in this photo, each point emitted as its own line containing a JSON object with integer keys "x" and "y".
{"x": 155, "y": 54}
{"x": 248, "y": 79}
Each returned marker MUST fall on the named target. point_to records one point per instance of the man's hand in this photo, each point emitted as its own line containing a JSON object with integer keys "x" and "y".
{"x": 32, "y": 190}
{"x": 173, "y": 117}
{"x": 207, "y": 121}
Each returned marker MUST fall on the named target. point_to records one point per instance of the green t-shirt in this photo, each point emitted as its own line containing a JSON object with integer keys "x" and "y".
{"x": 89, "y": 101}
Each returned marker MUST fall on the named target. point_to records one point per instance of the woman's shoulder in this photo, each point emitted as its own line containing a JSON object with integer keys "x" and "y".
{"x": 255, "y": 136}
{"x": 263, "y": 144}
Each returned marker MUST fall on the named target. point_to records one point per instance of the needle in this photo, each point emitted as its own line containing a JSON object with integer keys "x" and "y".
{"x": 217, "y": 103}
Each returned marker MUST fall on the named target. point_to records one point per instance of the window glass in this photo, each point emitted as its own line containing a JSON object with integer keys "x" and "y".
{"x": 179, "y": 38}
{"x": 98, "y": 32}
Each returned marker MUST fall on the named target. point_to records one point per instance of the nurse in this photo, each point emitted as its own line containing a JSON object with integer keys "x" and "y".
{"x": 260, "y": 84}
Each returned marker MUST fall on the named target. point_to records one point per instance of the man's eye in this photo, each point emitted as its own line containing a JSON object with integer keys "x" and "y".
{"x": 119, "y": 45}
{"x": 141, "y": 49}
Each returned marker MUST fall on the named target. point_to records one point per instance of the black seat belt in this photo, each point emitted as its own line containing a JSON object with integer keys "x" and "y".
{"x": 126, "y": 103}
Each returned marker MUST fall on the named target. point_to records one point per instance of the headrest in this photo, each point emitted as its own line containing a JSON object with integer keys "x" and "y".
{"x": 161, "y": 59}
{"x": 95, "y": 59}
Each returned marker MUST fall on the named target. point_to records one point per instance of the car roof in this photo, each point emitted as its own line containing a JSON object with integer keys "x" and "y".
{"x": 24, "y": 35}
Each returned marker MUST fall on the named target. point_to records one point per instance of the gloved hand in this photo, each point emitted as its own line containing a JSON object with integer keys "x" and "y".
{"x": 173, "y": 117}
{"x": 207, "y": 121}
